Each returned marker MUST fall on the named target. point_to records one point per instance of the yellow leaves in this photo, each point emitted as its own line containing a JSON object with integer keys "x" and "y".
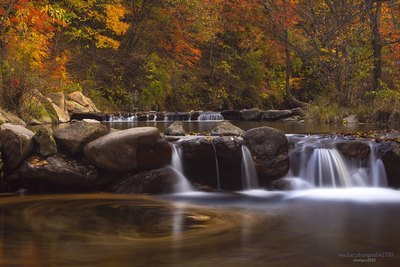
{"x": 103, "y": 41}
{"x": 114, "y": 14}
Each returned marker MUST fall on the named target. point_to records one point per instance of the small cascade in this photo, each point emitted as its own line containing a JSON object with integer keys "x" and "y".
{"x": 217, "y": 168}
{"x": 183, "y": 184}
{"x": 249, "y": 173}
{"x": 320, "y": 164}
{"x": 128, "y": 117}
{"x": 210, "y": 116}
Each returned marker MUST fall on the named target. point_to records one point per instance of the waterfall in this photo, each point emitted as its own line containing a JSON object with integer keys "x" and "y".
{"x": 130, "y": 117}
{"x": 183, "y": 184}
{"x": 217, "y": 167}
{"x": 322, "y": 165}
{"x": 249, "y": 174}
{"x": 210, "y": 116}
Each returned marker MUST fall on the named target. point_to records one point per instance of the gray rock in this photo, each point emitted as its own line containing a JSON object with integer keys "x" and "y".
{"x": 58, "y": 173}
{"x": 45, "y": 143}
{"x": 175, "y": 129}
{"x": 79, "y": 98}
{"x": 390, "y": 154}
{"x": 58, "y": 99}
{"x": 253, "y": 114}
{"x": 353, "y": 149}
{"x": 351, "y": 119}
{"x": 10, "y": 118}
{"x": 271, "y": 115}
{"x": 16, "y": 144}
{"x": 74, "y": 136}
{"x": 226, "y": 128}
{"x": 159, "y": 181}
{"x": 269, "y": 148}
{"x": 129, "y": 150}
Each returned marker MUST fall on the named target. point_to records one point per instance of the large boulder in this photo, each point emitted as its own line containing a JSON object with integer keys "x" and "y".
{"x": 253, "y": 114}
{"x": 57, "y": 173}
{"x": 158, "y": 181}
{"x": 271, "y": 115}
{"x": 175, "y": 129}
{"x": 58, "y": 99}
{"x": 79, "y": 98}
{"x": 226, "y": 128}
{"x": 10, "y": 118}
{"x": 354, "y": 149}
{"x": 16, "y": 144}
{"x": 389, "y": 152}
{"x": 44, "y": 142}
{"x": 74, "y": 136}
{"x": 62, "y": 115}
{"x": 232, "y": 115}
{"x": 133, "y": 149}
{"x": 74, "y": 107}
{"x": 269, "y": 148}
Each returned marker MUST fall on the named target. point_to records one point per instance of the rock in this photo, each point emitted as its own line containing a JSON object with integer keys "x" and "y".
{"x": 10, "y": 118}
{"x": 142, "y": 118}
{"x": 297, "y": 112}
{"x": 57, "y": 173}
{"x": 194, "y": 115}
{"x": 351, "y": 119}
{"x": 233, "y": 115}
{"x": 74, "y": 136}
{"x": 92, "y": 106}
{"x": 389, "y": 152}
{"x": 226, "y": 128}
{"x": 160, "y": 116}
{"x": 58, "y": 99}
{"x": 79, "y": 98}
{"x": 175, "y": 129}
{"x": 16, "y": 144}
{"x": 177, "y": 116}
{"x": 290, "y": 184}
{"x": 353, "y": 149}
{"x": 91, "y": 121}
{"x": 293, "y": 118}
{"x": 128, "y": 150}
{"x": 269, "y": 148}
{"x": 38, "y": 110}
{"x": 75, "y": 107}
{"x": 271, "y": 115}
{"x": 198, "y": 157}
{"x": 253, "y": 114}
{"x": 89, "y": 116}
{"x": 45, "y": 143}
{"x": 62, "y": 115}
{"x": 159, "y": 181}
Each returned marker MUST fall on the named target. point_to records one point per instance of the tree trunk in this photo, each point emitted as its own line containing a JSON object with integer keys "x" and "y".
{"x": 375, "y": 14}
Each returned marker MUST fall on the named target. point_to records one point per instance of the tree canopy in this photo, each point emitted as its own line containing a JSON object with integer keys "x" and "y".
{"x": 201, "y": 54}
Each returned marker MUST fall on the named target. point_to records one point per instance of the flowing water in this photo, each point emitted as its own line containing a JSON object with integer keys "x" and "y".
{"x": 249, "y": 173}
{"x": 183, "y": 184}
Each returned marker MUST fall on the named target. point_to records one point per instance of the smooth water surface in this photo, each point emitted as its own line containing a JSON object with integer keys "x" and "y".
{"x": 252, "y": 228}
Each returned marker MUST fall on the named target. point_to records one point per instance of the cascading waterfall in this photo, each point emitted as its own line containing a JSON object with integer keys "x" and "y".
{"x": 183, "y": 184}
{"x": 130, "y": 117}
{"x": 322, "y": 165}
{"x": 210, "y": 116}
{"x": 249, "y": 173}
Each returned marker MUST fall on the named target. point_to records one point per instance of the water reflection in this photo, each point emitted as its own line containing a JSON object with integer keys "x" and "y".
{"x": 255, "y": 228}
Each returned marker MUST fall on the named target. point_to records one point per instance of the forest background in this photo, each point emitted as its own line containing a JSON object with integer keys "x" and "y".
{"x": 334, "y": 57}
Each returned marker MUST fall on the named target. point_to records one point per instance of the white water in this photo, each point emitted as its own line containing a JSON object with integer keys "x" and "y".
{"x": 123, "y": 118}
{"x": 322, "y": 165}
{"x": 249, "y": 173}
{"x": 210, "y": 116}
{"x": 183, "y": 184}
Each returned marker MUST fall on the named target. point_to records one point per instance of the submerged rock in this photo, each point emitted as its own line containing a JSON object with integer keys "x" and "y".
{"x": 269, "y": 148}
{"x": 159, "y": 181}
{"x": 129, "y": 150}
{"x": 175, "y": 129}
{"x": 16, "y": 144}
{"x": 74, "y": 136}
{"x": 45, "y": 143}
{"x": 57, "y": 173}
{"x": 227, "y": 129}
